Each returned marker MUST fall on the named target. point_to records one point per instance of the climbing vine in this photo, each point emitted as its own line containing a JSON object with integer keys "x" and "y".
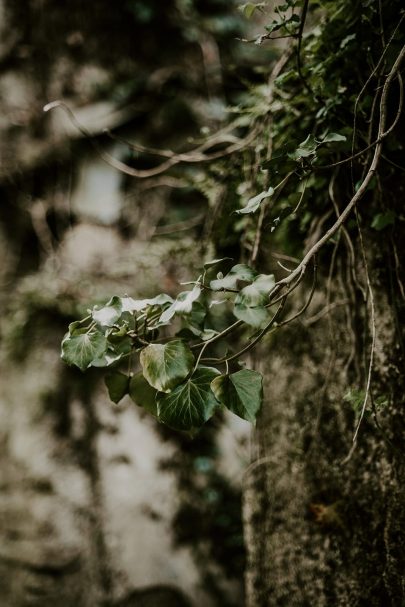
{"x": 305, "y": 145}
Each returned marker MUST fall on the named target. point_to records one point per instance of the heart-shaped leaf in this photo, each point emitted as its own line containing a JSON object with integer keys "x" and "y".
{"x": 215, "y": 262}
{"x": 257, "y": 293}
{"x": 333, "y": 137}
{"x": 255, "y": 316}
{"x": 136, "y": 305}
{"x": 82, "y": 349}
{"x": 143, "y": 394}
{"x": 250, "y": 301}
{"x": 182, "y": 305}
{"x": 108, "y": 315}
{"x": 191, "y": 403}
{"x": 117, "y": 384}
{"x": 240, "y": 272}
{"x": 254, "y": 203}
{"x": 165, "y": 366}
{"x": 240, "y": 392}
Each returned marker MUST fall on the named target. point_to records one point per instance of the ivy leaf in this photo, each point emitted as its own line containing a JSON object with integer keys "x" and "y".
{"x": 114, "y": 352}
{"x": 249, "y": 8}
{"x": 143, "y": 394}
{"x": 136, "y": 305}
{"x": 333, "y": 137}
{"x": 305, "y": 149}
{"x": 256, "y": 316}
{"x": 76, "y": 327}
{"x": 280, "y": 163}
{"x": 108, "y": 315}
{"x": 165, "y": 366}
{"x": 215, "y": 262}
{"x": 240, "y": 392}
{"x": 249, "y": 303}
{"x": 81, "y": 350}
{"x": 254, "y": 203}
{"x": 191, "y": 403}
{"x": 117, "y": 384}
{"x": 383, "y": 220}
{"x": 197, "y": 314}
{"x": 108, "y": 358}
{"x": 257, "y": 293}
{"x": 182, "y": 305}
{"x": 240, "y": 272}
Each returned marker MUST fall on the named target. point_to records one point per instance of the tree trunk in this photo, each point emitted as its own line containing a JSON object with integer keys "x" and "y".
{"x": 325, "y": 517}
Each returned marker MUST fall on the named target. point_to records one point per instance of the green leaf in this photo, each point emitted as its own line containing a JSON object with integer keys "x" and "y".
{"x": 108, "y": 358}
{"x": 254, "y": 203}
{"x": 215, "y": 262}
{"x": 142, "y": 393}
{"x": 77, "y": 327}
{"x": 182, "y": 305}
{"x": 305, "y": 149}
{"x": 240, "y": 392}
{"x": 136, "y": 305}
{"x": 333, "y": 137}
{"x": 249, "y": 8}
{"x": 197, "y": 314}
{"x": 117, "y": 384}
{"x": 81, "y": 350}
{"x": 108, "y": 315}
{"x": 165, "y": 366}
{"x": 240, "y": 272}
{"x": 191, "y": 404}
{"x": 256, "y": 316}
{"x": 249, "y": 303}
{"x": 383, "y": 220}
{"x": 257, "y": 293}
{"x": 116, "y": 336}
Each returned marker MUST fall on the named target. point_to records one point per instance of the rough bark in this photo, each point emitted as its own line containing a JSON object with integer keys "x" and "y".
{"x": 323, "y": 529}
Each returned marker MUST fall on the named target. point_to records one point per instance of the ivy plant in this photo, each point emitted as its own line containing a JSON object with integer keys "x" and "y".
{"x": 166, "y": 339}
{"x": 314, "y": 144}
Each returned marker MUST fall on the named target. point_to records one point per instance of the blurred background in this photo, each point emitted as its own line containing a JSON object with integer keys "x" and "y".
{"x": 98, "y": 504}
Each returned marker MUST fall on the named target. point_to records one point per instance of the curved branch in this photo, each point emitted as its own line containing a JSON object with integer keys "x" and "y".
{"x": 363, "y": 187}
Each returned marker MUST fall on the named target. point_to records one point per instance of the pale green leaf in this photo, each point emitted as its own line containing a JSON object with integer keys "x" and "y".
{"x": 305, "y": 149}
{"x": 256, "y": 317}
{"x": 191, "y": 403}
{"x": 240, "y": 392}
{"x": 257, "y": 293}
{"x": 81, "y": 350}
{"x": 215, "y": 262}
{"x": 254, "y": 203}
{"x": 249, "y": 8}
{"x": 240, "y": 272}
{"x": 136, "y": 305}
{"x": 108, "y": 315}
{"x": 182, "y": 305}
{"x": 165, "y": 366}
{"x": 333, "y": 137}
{"x": 108, "y": 358}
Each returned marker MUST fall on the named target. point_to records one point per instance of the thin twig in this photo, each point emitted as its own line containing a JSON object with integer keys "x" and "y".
{"x": 196, "y": 157}
{"x": 373, "y": 342}
{"x": 299, "y": 36}
{"x": 371, "y": 76}
{"x": 306, "y": 305}
{"x": 252, "y": 343}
